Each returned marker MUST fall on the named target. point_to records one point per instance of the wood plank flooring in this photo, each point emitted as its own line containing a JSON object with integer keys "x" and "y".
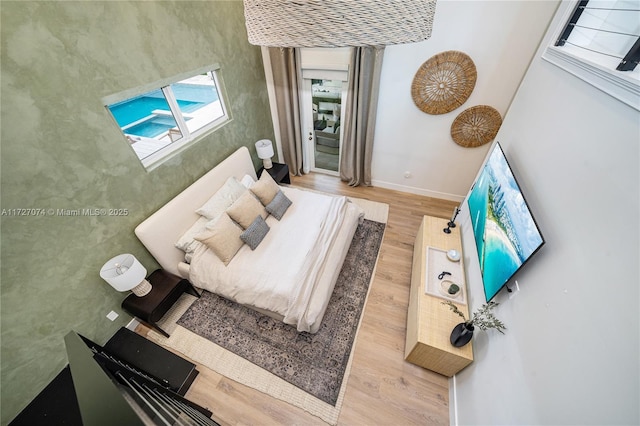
{"x": 382, "y": 387}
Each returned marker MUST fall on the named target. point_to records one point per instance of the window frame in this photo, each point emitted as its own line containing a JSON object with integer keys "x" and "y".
{"x": 615, "y": 83}
{"x": 188, "y": 137}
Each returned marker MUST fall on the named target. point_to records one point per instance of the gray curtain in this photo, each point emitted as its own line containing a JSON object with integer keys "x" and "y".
{"x": 286, "y": 76}
{"x": 360, "y": 117}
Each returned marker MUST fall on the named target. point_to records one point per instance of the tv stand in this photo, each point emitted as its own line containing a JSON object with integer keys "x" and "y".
{"x": 429, "y": 322}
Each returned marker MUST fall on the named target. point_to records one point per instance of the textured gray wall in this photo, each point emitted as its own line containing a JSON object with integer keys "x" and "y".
{"x": 61, "y": 150}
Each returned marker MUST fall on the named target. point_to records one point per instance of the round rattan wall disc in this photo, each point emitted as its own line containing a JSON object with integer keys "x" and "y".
{"x": 476, "y": 126}
{"x": 444, "y": 82}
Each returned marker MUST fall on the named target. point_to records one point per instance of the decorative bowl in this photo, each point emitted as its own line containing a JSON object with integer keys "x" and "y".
{"x": 453, "y": 255}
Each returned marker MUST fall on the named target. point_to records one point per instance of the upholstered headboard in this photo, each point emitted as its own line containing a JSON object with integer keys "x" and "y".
{"x": 162, "y": 229}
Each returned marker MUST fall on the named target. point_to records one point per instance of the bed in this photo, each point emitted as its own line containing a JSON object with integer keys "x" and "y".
{"x": 291, "y": 273}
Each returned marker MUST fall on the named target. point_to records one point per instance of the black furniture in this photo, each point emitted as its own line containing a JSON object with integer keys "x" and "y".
{"x": 85, "y": 391}
{"x": 167, "y": 289}
{"x": 279, "y": 172}
{"x": 112, "y": 391}
{"x": 167, "y": 368}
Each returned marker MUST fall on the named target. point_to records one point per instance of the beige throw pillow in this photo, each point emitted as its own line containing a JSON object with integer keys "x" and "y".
{"x": 265, "y": 188}
{"x": 223, "y": 238}
{"x": 246, "y": 209}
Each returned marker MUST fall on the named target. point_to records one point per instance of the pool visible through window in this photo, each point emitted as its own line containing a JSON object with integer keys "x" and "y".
{"x": 158, "y": 122}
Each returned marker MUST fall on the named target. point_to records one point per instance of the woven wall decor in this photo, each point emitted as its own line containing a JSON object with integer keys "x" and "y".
{"x": 476, "y": 126}
{"x": 337, "y": 23}
{"x": 444, "y": 82}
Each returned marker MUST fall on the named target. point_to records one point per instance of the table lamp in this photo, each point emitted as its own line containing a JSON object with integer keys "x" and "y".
{"x": 124, "y": 272}
{"x": 264, "y": 148}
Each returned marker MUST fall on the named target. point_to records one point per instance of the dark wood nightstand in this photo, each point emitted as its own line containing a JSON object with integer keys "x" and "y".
{"x": 166, "y": 290}
{"x": 279, "y": 172}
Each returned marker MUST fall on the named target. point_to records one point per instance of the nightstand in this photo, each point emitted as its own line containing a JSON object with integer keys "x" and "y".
{"x": 166, "y": 290}
{"x": 279, "y": 172}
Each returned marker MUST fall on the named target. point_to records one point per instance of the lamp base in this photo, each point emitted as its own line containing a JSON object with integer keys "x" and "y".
{"x": 266, "y": 162}
{"x": 142, "y": 289}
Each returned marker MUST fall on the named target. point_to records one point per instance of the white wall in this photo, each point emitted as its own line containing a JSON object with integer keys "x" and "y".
{"x": 500, "y": 37}
{"x": 571, "y": 351}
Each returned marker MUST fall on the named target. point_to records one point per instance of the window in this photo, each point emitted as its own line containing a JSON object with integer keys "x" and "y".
{"x": 162, "y": 118}
{"x": 599, "y": 41}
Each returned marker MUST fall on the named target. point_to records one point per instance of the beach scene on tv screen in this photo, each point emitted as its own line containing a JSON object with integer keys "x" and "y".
{"x": 504, "y": 230}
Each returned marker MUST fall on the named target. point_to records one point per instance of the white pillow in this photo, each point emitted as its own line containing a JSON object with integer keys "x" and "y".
{"x": 222, "y": 199}
{"x": 187, "y": 243}
{"x": 247, "y": 181}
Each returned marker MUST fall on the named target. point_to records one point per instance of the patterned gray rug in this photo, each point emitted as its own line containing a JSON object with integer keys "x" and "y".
{"x": 315, "y": 363}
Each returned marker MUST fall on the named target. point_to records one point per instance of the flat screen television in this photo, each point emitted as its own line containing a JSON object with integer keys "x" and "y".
{"x": 505, "y": 232}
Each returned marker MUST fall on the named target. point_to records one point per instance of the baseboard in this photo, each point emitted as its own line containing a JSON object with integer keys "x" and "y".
{"x": 133, "y": 324}
{"x": 418, "y": 191}
{"x": 453, "y": 402}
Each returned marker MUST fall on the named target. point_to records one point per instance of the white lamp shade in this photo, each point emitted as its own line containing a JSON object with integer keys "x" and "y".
{"x": 123, "y": 272}
{"x": 264, "y": 148}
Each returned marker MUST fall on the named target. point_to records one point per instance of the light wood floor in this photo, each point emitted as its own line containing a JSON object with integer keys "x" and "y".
{"x": 382, "y": 388}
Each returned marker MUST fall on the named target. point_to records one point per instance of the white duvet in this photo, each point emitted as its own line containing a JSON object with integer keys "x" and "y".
{"x": 284, "y": 273}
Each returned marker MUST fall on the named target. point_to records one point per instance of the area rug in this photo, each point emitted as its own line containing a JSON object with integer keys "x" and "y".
{"x": 315, "y": 363}
{"x": 239, "y": 369}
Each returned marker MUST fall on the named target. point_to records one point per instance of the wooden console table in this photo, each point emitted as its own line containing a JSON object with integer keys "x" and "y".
{"x": 429, "y": 322}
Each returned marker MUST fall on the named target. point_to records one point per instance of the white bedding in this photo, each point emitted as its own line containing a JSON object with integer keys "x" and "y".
{"x": 160, "y": 232}
{"x": 293, "y": 270}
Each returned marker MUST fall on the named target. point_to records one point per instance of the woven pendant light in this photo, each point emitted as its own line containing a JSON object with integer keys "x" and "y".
{"x": 476, "y": 126}
{"x": 337, "y": 23}
{"x": 444, "y": 82}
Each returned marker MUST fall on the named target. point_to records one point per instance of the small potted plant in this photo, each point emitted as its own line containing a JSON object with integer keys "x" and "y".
{"x": 483, "y": 318}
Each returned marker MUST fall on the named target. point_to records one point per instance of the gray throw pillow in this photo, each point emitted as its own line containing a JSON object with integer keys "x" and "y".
{"x": 279, "y": 205}
{"x": 255, "y": 233}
